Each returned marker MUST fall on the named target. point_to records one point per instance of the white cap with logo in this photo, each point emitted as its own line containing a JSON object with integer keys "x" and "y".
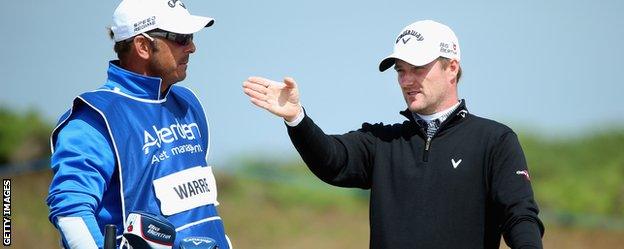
{"x": 422, "y": 42}
{"x": 133, "y": 17}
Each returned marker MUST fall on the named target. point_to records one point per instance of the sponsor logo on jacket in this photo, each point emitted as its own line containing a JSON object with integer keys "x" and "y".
{"x": 169, "y": 134}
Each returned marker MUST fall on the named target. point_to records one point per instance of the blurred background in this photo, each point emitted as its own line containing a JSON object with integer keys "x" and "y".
{"x": 548, "y": 69}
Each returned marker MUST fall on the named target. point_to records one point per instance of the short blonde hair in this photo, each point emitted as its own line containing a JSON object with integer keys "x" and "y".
{"x": 445, "y": 62}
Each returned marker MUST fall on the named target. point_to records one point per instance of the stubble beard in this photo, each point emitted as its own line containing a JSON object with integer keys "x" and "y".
{"x": 167, "y": 73}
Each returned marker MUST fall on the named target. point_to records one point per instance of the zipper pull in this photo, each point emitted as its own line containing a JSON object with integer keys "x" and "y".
{"x": 426, "y": 152}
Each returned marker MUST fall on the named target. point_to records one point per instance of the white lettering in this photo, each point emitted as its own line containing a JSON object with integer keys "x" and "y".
{"x": 6, "y": 213}
{"x": 188, "y": 131}
{"x": 186, "y": 148}
{"x": 155, "y": 159}
{"x": 154, "y": 230}
{"x": 165, "y": 135}
{"x": 176, "y": 127}
{"x": 169, "y": 134}
{"x": 6, "y": 227}
{"x": 186, "y": 190}
{"x": 148, "y": 142}
{"x": 6, "y": 197}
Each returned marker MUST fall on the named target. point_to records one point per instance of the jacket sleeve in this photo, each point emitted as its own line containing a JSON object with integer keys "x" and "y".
{"x": 83, "y": 164}
{"x": 341, "y": 160}
{"x": 513, "y": 196}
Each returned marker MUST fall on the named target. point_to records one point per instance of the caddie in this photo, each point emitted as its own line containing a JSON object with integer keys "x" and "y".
{"x": 139, "y": 143}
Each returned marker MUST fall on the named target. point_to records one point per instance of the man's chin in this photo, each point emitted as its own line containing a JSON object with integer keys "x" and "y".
{"x": 415, "y": 110}
{"x": 419, "y": 109}
{"x": 175, "y": 78}
{"x": 180, "y": 76}
{"x": 414, "y": 107}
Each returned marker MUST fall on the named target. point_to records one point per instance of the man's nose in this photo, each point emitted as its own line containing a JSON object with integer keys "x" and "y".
{"x": 407, "y": 80}
{"x": 190, "y": 48}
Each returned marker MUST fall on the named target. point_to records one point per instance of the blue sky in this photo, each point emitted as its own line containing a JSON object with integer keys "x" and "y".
{"x": 547, "y": 67}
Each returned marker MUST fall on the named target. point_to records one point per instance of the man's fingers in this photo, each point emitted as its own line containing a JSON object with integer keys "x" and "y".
{"x": 262, "y": 81}
{"x": 270, "y": 95}
{"x": 255, "y": 87}
{"x": 255, "y": 94}
{"x": 290, "y": 82}
{"x": 257, "y": 80}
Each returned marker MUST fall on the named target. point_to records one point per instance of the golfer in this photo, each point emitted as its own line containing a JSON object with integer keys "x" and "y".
{"x": 444, "y": 178}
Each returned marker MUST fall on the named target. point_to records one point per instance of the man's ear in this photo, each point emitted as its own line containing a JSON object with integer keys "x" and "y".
{"x": 142, "y": 46}
{"x": 453, "y": 68}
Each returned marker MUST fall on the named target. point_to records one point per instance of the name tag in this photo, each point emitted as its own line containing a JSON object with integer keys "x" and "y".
{"x": 186, "y": 190}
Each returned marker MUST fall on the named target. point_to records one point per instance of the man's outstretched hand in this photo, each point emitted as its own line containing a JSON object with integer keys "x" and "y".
{"x": 281, "y": 99}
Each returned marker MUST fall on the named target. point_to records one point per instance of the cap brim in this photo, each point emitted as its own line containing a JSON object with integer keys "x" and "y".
{"x": 391, "y": 60}
{"x": 188, "y": 25}
{"x": 210, "y": 21}
{"x": 386, "y": 63}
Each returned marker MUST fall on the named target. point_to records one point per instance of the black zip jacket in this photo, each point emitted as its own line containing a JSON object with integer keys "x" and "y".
{"x": 462, "y": 189}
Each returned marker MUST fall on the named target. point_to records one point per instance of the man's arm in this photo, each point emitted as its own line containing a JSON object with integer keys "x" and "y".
{"x": 342, "y": 160}
{"x": 512, "y": 193}
{"x": 83, "y": 164}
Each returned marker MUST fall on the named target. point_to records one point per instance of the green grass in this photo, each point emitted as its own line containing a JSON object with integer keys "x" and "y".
{"x": 261, "y": 213}
{"x": 580, "y": 175}
{"x": 257, "y": 214}
{"x": 578, "y": 183}
{"x": 29, "y": 214}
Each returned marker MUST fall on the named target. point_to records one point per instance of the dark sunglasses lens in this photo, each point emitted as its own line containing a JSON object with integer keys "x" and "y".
{"x": 184, "y": 39}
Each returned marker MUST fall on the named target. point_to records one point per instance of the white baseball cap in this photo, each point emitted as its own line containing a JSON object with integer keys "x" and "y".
{"x": 422, "y": 42}
{"x": 133, "y": 17}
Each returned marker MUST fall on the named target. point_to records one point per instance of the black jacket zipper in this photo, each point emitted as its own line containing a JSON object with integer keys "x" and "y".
{"x": 459, "y": 113}
{"x": 426, "y": 152}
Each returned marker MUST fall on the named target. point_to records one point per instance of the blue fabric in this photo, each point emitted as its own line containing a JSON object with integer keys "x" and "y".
{"x": 86, "y": 179}
{"x": 83, "y": 166}
{"x": 137, "y": 85}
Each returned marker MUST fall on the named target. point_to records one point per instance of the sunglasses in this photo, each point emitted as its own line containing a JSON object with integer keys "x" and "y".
{"x": 180, "y": 39}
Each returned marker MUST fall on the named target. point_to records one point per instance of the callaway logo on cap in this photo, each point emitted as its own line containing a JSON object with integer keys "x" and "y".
{"x": 133, "y": 17}
{"x": 422, "y": 42}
